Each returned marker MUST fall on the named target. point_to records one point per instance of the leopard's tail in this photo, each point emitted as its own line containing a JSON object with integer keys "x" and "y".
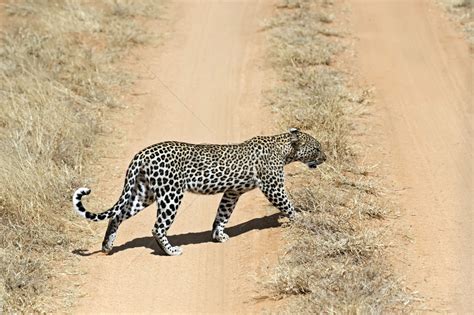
{"x": 76, "y": 201}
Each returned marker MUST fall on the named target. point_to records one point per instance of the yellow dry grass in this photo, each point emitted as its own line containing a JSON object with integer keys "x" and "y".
{"x": 57, "y": 79}
{"x": 461, "y": 12}
{"x": 334, "y": 262}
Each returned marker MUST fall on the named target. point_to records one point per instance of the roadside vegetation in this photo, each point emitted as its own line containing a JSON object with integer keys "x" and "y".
{"x": 461, "y": 11}
{"x": 334, "y": 262}
{"x": 57, "y": 79}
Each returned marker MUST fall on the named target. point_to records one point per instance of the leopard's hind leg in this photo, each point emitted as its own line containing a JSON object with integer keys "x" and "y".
{"x": 168, "y": 204}
{"x": 140, "y": 197}
{"x": 111, "y": 233}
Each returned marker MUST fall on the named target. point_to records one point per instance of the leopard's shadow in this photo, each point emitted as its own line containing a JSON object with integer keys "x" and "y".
{"x": 266, "y": 222}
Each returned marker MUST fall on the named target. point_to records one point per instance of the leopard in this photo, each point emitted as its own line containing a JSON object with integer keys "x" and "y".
{"x": 163, "y": 172}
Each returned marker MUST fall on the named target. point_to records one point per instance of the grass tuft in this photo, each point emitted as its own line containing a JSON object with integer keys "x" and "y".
{"x": 461, "y": 12}
{"x": 57, "y": 79}
{"x": 334, "y": 260}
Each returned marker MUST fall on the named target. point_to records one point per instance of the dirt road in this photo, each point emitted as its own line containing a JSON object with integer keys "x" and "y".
{"x": 203, "y": 84}
{"x": 422, "y": 72}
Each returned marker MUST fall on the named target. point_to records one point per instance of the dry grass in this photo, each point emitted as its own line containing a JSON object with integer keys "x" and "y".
{"x": 57, "y": 78}
{"x": 335, "y": 258}
{"x": 461, "y": 11}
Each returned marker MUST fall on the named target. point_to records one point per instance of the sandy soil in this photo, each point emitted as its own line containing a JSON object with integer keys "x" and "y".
{"x": 422, "y": 71}
{"x": 203, "y": 84}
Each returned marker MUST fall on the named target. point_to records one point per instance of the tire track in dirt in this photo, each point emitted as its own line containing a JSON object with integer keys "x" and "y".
{"x": 212, "y": 62}
{"x": 422, "y": 70}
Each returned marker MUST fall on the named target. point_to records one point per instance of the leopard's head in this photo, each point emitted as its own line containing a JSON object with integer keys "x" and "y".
{"x": 306, "y": 149}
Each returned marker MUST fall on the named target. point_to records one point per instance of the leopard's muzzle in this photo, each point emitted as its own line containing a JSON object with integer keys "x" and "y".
{"x": 320, "y": 160}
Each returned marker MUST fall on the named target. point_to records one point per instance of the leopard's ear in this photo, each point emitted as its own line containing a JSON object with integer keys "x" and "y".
{"x": 294, "y": 134}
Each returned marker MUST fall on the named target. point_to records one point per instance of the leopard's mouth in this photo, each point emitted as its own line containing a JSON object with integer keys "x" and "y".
{"x": 315, "y": 163}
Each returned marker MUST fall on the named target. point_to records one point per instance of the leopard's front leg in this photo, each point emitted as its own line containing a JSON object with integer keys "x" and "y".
{"x": 275, "y": 192}
{"x": 226, "y": 207}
